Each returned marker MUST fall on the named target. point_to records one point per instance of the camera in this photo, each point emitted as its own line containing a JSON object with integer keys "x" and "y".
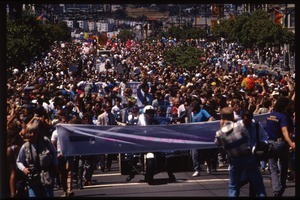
{"x": 32, "y": 173}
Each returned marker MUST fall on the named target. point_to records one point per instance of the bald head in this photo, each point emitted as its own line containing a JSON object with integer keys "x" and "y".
{"x": 227, "y": 114}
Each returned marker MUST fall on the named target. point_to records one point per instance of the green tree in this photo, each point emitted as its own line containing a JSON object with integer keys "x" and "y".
{"x": 28, "y": 38}
{"x": 184, "y": 56}
{"x": 22, "y": 41}
{"x": 124, "y": 35}
{"x": 256, "y": 30}
{"x": 225, "y": 29}
{"x": 262, "y": 29}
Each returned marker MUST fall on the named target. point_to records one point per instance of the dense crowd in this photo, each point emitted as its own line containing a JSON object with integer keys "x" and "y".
{"x": 75, "y": 79}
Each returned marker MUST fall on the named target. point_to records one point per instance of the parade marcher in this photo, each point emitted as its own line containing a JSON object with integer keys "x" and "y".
{"x": 52, "y": 76}
{"x": 38, "y": 160}
{"x": 104, "y": 119}
{"x": 233, "y": 137}
{"x": 146, "y": 119}
{"x": 65, "y": 163}
{"x": 250, "y": 124}
{"x": 89, "y": 161}
{"x": 14, "y": 143}
{"x": 279, "y": 136}
{"x": 143, "y": 94}
{"x": 200, "y": 115}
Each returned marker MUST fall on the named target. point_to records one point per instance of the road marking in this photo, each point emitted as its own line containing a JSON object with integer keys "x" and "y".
{"x": 144, "y": 183}
{"x": 99, "y": 175}
{"x": 118, "y": 174}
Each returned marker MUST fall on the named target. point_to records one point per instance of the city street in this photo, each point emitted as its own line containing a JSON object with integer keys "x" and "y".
{"x": 111, "y": 184}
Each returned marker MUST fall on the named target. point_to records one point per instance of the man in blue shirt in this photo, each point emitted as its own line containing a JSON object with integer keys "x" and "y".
{"x": 277, "y": 129}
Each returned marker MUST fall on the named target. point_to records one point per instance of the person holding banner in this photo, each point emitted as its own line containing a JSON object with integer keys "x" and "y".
{"x": 147, "y": 118}
{"x": 65, "y": 163}
{"x": 199, "y": 115}
{"x": 104, "y": 119}
{"x": 89, "y": 161}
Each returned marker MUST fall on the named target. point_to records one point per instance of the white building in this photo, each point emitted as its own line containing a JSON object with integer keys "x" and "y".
{"x": 102, "y": 27}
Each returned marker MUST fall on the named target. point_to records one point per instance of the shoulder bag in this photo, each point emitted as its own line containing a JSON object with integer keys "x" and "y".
{"x": 263, "y": 150}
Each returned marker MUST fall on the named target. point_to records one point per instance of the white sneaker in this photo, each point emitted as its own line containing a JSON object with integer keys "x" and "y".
{"x": 196, "y": 173}
{"x": 208, "y": 170}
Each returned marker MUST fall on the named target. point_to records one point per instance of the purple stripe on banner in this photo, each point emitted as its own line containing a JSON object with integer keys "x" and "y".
{"x": 79, "y": 139}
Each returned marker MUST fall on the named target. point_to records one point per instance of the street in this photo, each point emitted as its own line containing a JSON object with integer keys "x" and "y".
{"x": 112, "y": 184}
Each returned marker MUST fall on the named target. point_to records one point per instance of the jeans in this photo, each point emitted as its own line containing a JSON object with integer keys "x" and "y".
{"x": 242, "y": 169}
{"x": 263, "y": 164}
{"x": 196, "y": 159}
{"x": 40, "y": 191}
{"x": 279, "y": 168}
{"x": 90, "y": 164}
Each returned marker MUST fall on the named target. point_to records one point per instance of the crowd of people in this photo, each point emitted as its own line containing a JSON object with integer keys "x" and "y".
{"x": 75, "y": 83}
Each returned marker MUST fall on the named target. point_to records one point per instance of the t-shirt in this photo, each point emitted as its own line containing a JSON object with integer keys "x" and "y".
{"x": 274, "y": 122}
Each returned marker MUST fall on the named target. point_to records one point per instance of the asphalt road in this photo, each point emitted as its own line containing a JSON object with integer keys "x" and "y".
{"x": 112, "y": 184}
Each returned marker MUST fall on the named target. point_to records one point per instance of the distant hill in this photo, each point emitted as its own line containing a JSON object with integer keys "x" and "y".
{"x": 150, "y": 13}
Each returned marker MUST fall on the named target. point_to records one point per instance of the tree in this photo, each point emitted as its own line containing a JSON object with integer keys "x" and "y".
{"x": 22, "y": 41}
{"x": 23, "y": 45}
{"x": 184, "y": 56}
{"x": 124, "y": 35}
{"x": 256, "y": 30}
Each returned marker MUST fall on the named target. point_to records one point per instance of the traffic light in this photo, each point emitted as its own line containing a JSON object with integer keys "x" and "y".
{"x": 279, "y": 18}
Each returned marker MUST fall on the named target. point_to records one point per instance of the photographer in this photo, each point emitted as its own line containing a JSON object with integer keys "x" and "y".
{"x": 37, "y": 159}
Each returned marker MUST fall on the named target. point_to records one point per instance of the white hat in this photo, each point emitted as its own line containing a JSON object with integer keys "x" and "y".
{"x": 148, "y": 107}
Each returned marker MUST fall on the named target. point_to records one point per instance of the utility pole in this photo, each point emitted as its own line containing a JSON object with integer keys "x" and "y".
{"x": 180, "y": 15}
{"x": 205, "y": 15}
{"x": 286, "y": 16}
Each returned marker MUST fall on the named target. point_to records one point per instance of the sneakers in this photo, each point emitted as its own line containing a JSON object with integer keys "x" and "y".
{"x": 71, "y": 194}
{"x": 66, "y": 194}
{"x": 196, "y": 173}
{"x": 208, "y": 170}
{"x": 86, "y": 183}
{"x": 172, "y": 178}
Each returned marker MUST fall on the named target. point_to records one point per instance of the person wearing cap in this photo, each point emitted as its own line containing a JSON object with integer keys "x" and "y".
{"x": 147, "y": 118}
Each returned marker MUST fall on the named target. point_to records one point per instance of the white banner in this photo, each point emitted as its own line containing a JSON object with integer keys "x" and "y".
{"x": 80, "y": 139}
